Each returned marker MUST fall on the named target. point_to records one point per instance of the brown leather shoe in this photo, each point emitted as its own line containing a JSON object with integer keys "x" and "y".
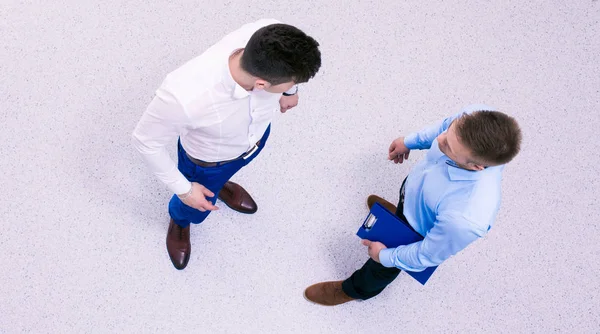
{"x": 327, "y": 294}
{"x": 178, "y": 245}
{"x": 372, "y": 199}
{"x": 237, "y": 198}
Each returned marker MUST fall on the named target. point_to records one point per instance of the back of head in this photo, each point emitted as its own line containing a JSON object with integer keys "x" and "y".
{"x": 494, "y": 138}
{"x": 280, "y": 53}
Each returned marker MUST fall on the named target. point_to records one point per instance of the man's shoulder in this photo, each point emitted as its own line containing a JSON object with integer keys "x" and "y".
{"x": 200, "y": 75}
{"x": 196, "y": 77}
{"x": 476, "y": 202}
{"x": 208, "y": 71}
{"x": 485, "y": 194}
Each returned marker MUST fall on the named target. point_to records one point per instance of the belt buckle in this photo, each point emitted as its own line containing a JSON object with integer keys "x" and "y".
{"x": 251, "y": 152}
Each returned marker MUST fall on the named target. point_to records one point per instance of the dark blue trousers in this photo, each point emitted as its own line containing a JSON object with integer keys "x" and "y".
{"x": 212, "y": 178}
{"x": 373, "y": 277}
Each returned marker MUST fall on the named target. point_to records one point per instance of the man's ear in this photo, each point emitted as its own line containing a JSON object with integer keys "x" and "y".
{"x": 260, "y": 84}
{"x": 477, "y": 166}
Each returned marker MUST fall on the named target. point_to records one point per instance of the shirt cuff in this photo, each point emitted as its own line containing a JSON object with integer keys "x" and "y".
{"x": 293, "y": 90}
{"x": 181, "y": 186}
{"x": 410, "y": 141}
{"x": 385, "y": 257}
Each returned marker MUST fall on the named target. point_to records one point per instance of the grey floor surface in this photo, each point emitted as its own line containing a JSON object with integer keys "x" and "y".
{"x": 83, "y": 221}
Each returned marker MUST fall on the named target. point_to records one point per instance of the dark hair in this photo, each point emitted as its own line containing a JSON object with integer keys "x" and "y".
{"x": 492, "y": 136}
{"x": 280, "y": 53}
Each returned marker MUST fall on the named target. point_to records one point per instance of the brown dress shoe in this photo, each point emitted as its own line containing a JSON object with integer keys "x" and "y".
{"x": 372, "y": 199}
{"x": 237, "y": 198}
{"x": 178, "y": 245}
{"x": 327, "y": 294}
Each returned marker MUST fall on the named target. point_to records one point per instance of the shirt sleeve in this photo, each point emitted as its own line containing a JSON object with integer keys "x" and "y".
{"x": 423, "y": 139}
{"x": 292, "y": 90}
{"x": 450, "y": 234}
{"x": 161, "y": 124}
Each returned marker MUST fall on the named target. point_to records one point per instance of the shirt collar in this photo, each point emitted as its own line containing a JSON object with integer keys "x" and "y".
{"x": 237, "y": 91}
{"x": 456, "y": 173}
{"x": 460, "y": 174}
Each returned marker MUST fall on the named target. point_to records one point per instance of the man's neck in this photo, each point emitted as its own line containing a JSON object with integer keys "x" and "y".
{"x": 240, "y": 76}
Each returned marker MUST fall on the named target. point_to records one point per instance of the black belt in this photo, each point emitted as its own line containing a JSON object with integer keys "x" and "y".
{"x": 221, "y": 163}
{"x": 402, "y": 192}
{"x": 400, "y": 209}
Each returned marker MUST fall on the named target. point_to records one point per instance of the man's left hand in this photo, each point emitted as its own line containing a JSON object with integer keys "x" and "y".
{"x": 374, "y": 249}
{"x": 288, "y": 102}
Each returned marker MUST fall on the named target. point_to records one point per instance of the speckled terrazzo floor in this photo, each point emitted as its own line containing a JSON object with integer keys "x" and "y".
{"x": 83, "y": 221}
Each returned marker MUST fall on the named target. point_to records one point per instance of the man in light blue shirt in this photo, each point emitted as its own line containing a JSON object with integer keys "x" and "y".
{"x": 451, "y": 198}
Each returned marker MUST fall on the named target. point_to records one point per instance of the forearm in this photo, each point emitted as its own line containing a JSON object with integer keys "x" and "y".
{"x": 161, "y": 165}
{"x": 408, "y": 257}
{"x": 450, "y": 234}
{"x": 423, "y": 139}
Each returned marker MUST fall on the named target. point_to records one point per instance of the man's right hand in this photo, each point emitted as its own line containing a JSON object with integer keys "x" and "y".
{"x": 398, "y": 152}
{"x": 197, "y": 199}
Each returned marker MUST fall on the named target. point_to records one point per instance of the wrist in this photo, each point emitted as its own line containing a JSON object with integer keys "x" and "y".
{"x": 410, "y": 141}
{"x": 385, "y": 257}
{"x": 186, "y": 194}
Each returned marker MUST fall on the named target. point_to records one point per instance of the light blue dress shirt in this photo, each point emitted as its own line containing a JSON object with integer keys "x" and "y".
{"x": 450, "y": 206}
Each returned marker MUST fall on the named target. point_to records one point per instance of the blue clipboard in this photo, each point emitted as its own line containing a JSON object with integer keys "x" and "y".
{"x": 387, "y": 228}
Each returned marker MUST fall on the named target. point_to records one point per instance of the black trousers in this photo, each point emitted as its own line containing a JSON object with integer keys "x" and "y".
{"x": 373, "y": 277}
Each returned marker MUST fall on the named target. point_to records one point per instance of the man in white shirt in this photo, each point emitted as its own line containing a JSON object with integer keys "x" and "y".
{"x": 220, "y": 105}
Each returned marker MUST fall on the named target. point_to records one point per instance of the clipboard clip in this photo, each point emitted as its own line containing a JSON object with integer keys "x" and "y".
{"x": 370, "y": 221}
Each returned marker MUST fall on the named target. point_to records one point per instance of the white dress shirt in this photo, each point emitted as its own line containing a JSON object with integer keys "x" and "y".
{"x": 215, "y": 118}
